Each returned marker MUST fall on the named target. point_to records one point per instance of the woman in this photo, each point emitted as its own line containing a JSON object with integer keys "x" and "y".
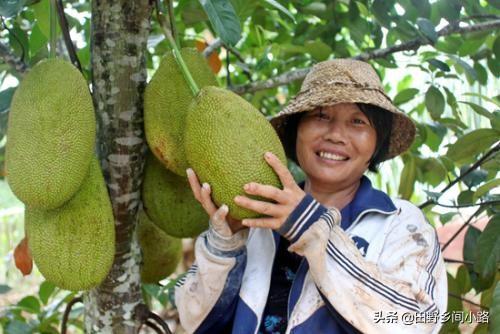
{"x": 332, "y": 255}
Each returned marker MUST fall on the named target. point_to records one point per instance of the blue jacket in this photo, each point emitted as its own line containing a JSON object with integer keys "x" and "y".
{"x": 383, "y": 269}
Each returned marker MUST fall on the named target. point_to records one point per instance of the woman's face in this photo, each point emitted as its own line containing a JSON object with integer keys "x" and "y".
{"x": 335, "y": 144}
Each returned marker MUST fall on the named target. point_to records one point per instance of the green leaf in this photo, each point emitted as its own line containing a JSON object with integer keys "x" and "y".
{"x": 45, "y": 291}
{"x": 9, "y": 8}
{"x": 244, "y": 8}
{"x": 450, "y": 9}
{"x": 42, "y": 15}
{"x": 434, "y": 135}
{"x": 280, "y": 8}
{"x": 494, "y": 65}
{"x": 18, "y": 327}
{"x": 463, "y": 279}
{"x": 496, "y": 47}
{"x": 439, "y": 64}
{"x": 471, "y": 144}
{"x": 479, "y": 109}
{"x": 5, "y": 99}
{"x": 485, "y": 188}
{"x": 315, "y": 8}
{"x": 454, "y": 304}
{"x": 427, "y": 29}
{"x": 318, "y": 50}
{"x": 488, "y": 249}
{"x": 434, "y": 171}
{"x": 381, "y": 10}
{"x": 434, "y": 102}
{"x": 495, "y": 311}
{"x": 408, "y": 176}
{"x": 471, "y": 45}
{"x": 4, "y": 288}
{"x": 444, "y": 218}
{"x": 405, "y": 96}
{"x": 482, "y": 75}
{"x": 224, "y": 20}
{"x": 37, "y": 40}
{"x": 470, "y": 243}
{"x": 465, "y": 197}
{"x": 473, "y": 178}
{"x": 495, "y": 122}
{"x": 469, "y": 70}
{"x": 30, "y": 304}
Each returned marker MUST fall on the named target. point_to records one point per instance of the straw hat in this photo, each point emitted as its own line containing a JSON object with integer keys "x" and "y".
{"x": 347, "y": 80}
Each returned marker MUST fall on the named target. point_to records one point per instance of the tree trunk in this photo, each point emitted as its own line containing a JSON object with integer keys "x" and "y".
{"x": 118, "y": 42}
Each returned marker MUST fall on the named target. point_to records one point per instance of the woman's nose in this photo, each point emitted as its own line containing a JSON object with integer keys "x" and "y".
{"x": 336, "y": 133}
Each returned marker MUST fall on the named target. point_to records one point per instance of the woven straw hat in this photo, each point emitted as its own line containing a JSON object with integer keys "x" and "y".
{"x": 341, "y": 81}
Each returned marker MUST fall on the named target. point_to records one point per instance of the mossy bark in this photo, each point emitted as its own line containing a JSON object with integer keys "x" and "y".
{"x": 118, "y": 42}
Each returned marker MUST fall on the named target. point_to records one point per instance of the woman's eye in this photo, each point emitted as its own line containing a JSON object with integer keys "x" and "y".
{"x": 322, "y": 116}
{"x": 359, "y": 121}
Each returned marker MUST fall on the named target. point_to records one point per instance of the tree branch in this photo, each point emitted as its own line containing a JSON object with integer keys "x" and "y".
{"x": 12, "y": 60}
{"x": 212, "y": 47}
{"x": 467, "y": 223}
{"x": 458, "y": 261}
{"x": 67, "y": 311}
{"x": 467, "y": 301}
{"x": 63, "y": 22}
{"x": 414, "y": 44}
{"x": 457, "y": 206}
{"x": 478, "y": 163}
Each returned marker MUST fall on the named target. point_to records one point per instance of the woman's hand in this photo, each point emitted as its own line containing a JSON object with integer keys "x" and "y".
{"x": 221, "y": 222}
{"x": 286, "y": 200}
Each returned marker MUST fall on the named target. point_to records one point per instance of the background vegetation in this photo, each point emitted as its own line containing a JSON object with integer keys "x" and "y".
{"x": 439, "y": 61}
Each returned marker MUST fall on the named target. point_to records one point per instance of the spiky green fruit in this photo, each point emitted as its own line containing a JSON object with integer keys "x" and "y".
{"x": 226, "y": 138}
{"x": 51, "y": 135}
{"x": 161, "y": 253}
{"x": 166, "y": 100}
{"x": 73, "y": 246}
{"x": 169, "y": 201}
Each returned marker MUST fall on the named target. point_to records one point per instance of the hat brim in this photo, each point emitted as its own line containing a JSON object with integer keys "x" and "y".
{"x": 403, "y": 128}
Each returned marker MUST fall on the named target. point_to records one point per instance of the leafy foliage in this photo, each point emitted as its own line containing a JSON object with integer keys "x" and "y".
{"x": 446, "y": 87}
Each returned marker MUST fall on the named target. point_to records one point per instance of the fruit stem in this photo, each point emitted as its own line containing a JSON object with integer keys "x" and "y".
{"x": 177, "y": 54}
{"x": 53, "y": 29}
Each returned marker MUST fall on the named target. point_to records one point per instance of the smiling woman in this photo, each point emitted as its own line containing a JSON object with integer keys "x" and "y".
{"x": 333, "y": 253}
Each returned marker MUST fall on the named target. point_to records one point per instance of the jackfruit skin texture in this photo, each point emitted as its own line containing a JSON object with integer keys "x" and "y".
{"x": 73, "y": 246}
{"x": 166, "y": 100}
{"x": 226, "y": 138}
{"x": 161, "y": 253}
{"x": 51, "y": 135}
{"x": 170, "y": 203}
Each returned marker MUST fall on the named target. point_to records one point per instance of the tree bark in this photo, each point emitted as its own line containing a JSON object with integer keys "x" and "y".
{"x": 118, "y": 44}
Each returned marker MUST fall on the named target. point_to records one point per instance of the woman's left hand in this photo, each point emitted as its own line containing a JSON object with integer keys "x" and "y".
{"x": 285, "y": 199}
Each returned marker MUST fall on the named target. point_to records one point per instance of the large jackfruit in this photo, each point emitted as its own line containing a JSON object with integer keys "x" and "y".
{"x": 51, "y": 135}
{"x": 226, "y": 138}
{"x": 166, "y": 100}
{"x": 169, "y": 201}
{"x": 161, "y": 253}
{"x": 73, "y": 246}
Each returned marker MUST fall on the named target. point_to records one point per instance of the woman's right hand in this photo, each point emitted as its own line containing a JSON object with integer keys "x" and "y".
{"x": 219, "y": 218}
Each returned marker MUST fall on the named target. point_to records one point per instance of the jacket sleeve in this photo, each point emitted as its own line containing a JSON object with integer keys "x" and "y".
{"x": 407, "y": 281}
{"x": 206, "y": 296}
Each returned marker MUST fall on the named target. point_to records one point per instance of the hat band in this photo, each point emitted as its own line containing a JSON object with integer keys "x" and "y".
{"x": 346, "y": 84}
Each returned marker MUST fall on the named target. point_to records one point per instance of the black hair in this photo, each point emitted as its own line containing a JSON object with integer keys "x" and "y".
{"x": 380, "y": 119}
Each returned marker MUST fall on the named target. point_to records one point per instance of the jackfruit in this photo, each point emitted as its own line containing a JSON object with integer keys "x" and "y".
{"x": 161, "y": 253}
{"x": 51, "y": 135}
{"x": 166, "y": 100}
{"x": 226, "y": 138}
{"x": 73, "y": 246}
{"x": 169, "y": 201}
